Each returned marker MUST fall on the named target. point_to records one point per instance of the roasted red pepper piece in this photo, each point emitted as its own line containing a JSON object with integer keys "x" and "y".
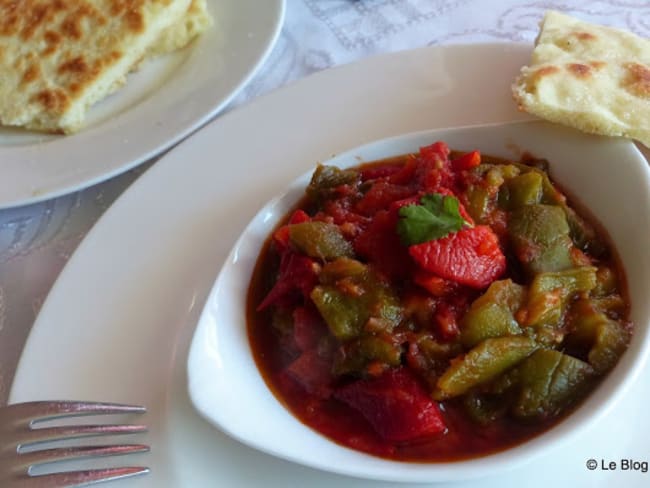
{"x": 379, "y": 244}
{"x": 406, "y": 174}
{"x": 297, "y": 273}
{"x": 308, "y": 327}
{"x": 466, "y": 161}
{"x": 471, "y": 256}
{"x": 312, "y": 372}
{"x": 395, "y": 404}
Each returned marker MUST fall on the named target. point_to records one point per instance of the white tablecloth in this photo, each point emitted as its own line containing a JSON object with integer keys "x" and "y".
{"x": 37, "y": 240}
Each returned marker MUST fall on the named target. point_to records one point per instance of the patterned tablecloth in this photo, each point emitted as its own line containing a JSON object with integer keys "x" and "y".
{"x": 37, "y": 240}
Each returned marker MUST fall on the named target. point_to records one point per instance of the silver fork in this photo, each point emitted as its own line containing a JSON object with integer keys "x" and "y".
{"x": 18, "y": 435}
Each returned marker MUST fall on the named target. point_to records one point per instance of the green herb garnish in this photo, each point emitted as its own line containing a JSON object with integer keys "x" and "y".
{"x": 434, "y": 217}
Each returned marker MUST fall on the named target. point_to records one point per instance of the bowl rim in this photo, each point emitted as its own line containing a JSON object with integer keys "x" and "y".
{"x": 590, "y": 411}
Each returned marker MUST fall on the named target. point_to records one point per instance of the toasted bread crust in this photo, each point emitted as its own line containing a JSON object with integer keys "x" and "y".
{"x": 638, "y": 79}
{"x": 27, "y": 18}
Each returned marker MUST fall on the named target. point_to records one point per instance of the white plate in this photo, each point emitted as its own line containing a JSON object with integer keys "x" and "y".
{"x": 118, "y": 322}
{"x": 221, "y": 361}
{"x": 166, "y": 99}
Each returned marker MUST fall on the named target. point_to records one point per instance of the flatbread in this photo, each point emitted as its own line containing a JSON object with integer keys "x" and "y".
{"x": 588, "y": 76}
{"x": 58, "y": 57}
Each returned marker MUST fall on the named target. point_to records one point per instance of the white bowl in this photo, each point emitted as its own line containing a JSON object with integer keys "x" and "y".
{"x": 609, "y": 176}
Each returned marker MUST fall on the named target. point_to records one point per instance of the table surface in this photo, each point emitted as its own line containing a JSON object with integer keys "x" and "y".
{"x": 37, "y": 240}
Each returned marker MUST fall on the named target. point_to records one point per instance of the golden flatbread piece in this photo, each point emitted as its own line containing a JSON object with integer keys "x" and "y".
{"x": 587, "y": 76}
{"x": 59, "y": 57}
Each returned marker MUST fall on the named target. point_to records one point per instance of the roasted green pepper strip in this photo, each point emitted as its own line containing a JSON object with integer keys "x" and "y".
{"x": 550, "y": 381}
{"x": 320, "y": 240}
{"x": 478, "y": 202}
{"x": 550, "y": 194}
{"x": 482, "y": 364}
{"x": 342, "y": 268}
{"x": 484, "y": 409}
{"x": 611, "y": 342}
{"x": 548, "y": 297}
{"x": 327, "y": 178}
{"x": 583, "y": 234}
{"x": 549, "y": 294}
{"x": 346, "y": 303}
{"x": 355, "y": 355}
{"x": 492, "y": 314}
{"x": 343, "y": 314}
{"x": 605, "y": 338}
{"x": 525, "y": 189}
{"x": 612, "y": 305}
{"x": 606, "y": 282}
{"x": 540, "y": 238}
{"x": 482, "y": 196}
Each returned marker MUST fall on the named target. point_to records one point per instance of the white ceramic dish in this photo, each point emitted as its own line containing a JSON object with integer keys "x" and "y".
{"x": 221, "y": 361}
{"x": 165, "y": 100}
{"x": 118, "y": 323}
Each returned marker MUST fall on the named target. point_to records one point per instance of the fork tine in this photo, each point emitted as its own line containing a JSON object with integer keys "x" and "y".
{"x": 48, "y": 410}
{"x": 79, "y": 478}
{"x": 27, "y": 459}
{"x": 47, "y": 434}
{"x": 17, "y": 431}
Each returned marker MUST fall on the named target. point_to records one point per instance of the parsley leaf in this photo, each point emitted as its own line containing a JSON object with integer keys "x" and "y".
{"x": 436, "y": 216}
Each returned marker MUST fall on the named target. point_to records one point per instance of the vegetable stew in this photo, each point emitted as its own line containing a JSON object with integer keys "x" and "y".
{"x": 436, "y": 306}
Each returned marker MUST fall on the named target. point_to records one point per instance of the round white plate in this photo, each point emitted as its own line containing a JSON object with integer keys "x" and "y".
{"x": 166, "y": 99}
{"x": 118, "y": 322}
